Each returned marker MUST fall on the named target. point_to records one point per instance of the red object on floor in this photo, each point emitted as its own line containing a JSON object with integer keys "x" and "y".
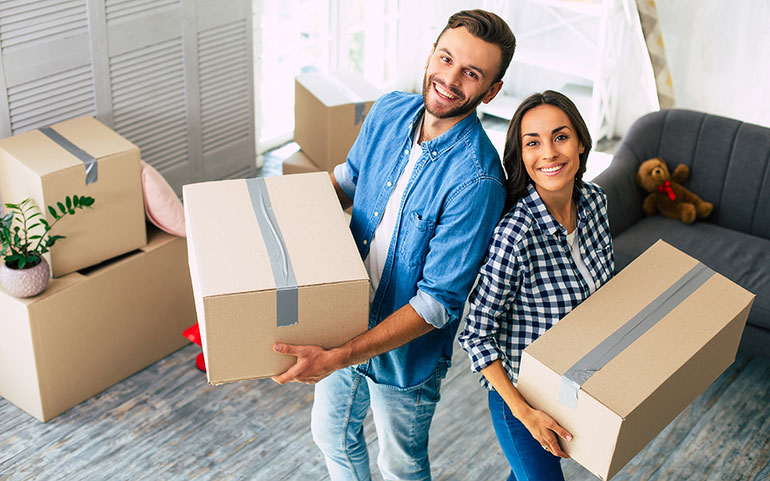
{"x": 200, "y": 363}
{"x": 193, "y": 334}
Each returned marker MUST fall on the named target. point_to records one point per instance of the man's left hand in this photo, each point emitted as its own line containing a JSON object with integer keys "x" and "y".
{"x": 313, "y": 364}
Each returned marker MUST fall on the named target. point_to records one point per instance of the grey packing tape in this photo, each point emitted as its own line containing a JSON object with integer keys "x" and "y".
{"x": 628, "y": 333}
{"x": 360, "y": 112}
{"x": 358, "y": 101}
{"x": 85, "y": 157}
{"x": 280, "y": 264}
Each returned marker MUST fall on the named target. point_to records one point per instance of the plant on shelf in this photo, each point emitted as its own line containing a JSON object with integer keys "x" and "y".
{"x": 25, "y": 236}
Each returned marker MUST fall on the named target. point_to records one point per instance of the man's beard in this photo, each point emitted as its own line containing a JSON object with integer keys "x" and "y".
{"x": 457, "y": 111}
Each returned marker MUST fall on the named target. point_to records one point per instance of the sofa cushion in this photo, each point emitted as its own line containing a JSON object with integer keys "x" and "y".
{"x": 742, "y": 258}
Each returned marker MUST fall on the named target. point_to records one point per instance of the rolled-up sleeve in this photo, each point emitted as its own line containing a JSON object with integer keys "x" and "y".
{"x": 499, "y": 279}
{"x": 457, "y": 249}
{"x": 344, "y": 180}
{"x": 431, "y": 310}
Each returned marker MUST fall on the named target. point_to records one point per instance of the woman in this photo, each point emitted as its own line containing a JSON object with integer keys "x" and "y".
{"x": 549, "y": 252}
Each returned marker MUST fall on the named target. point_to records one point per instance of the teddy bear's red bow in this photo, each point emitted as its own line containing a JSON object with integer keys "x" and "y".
{"x": 666, "y": 188}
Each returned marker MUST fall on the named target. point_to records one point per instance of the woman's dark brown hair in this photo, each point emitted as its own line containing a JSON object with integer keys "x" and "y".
{"x": 518, "y": 178}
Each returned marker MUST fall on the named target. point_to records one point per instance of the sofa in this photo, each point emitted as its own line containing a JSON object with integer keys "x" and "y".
{"x": 729, "y": 163}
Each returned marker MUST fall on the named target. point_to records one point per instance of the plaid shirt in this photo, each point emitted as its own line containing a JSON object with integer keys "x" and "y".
{"x": 529, "y": 279}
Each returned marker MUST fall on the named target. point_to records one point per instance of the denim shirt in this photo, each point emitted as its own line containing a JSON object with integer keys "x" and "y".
{"x": 451, "y": 205}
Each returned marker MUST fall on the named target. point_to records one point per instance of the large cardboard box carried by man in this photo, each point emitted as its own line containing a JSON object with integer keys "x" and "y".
{"x": 329, "y": 109}
{"x": 272, "y": 260}
{"x": 616, "y": 370}
{"x": 90, "y": 329}
{"x": 78, "y": 157}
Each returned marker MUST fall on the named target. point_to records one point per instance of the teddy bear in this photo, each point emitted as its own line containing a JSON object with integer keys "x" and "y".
{"x": 666, "y": 193}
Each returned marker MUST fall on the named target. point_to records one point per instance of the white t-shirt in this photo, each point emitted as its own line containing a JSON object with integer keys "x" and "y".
{"x": 378, "y": 246}
{"x": 574, "y": 241}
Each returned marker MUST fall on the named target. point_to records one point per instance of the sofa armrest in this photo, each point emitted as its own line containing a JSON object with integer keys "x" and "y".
{"x": 624, "y": 197}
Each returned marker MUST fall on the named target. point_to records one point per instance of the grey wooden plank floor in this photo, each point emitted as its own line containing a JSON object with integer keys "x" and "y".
{"x": 166, "y": 423}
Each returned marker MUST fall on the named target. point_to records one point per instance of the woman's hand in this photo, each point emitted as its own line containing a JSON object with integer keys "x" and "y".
{"x": 545, "y": 429}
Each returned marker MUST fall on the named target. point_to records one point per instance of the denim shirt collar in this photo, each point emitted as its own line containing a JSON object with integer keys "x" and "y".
{"x": 544, "y": 218}
{"x": 444, "y": 142}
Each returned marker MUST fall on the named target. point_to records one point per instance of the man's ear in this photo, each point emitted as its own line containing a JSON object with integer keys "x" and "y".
{"x": 430, "y": 54}
{"x": 492, "y": 92}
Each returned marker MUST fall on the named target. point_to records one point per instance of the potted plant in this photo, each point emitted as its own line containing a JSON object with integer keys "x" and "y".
{"x": 25, "y": 237}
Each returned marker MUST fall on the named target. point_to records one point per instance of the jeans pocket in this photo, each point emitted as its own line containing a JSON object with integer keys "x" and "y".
{"x": 414, "y": 242}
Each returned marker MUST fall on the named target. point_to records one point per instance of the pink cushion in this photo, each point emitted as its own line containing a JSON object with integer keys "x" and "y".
{"x": 162, "y": 206}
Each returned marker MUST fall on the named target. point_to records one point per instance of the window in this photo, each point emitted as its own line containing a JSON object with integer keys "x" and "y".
{"x": 295, "y": 36}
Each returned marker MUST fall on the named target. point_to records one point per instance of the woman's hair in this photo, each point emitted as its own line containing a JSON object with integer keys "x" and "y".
{"x": 518, "y": 178}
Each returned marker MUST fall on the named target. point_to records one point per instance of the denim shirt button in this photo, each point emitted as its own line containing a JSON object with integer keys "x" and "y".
{"x": 366, "y": 241}
{"x": 435, "y": 153}
{"x": 390, "y": 184}
{"x": 406, "y": 151}
{"x": 376, "y": 213}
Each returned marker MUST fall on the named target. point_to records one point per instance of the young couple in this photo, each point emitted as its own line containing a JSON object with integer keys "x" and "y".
{"x": 428, "y": 193}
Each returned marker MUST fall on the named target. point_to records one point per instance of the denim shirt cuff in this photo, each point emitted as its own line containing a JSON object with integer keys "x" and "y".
{"x": 342, "y": 177}
{"x": 431, "y": 310}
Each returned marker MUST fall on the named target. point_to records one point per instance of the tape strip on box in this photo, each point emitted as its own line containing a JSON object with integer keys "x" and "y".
{"x": 280, "y": 264}
{"x": 629, "y": 332}
{"x": 85, "y": 157}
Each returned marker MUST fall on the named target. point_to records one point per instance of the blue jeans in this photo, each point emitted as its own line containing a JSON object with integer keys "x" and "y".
{"x": 402, "y": 418}
{"x": 528, "y": 460}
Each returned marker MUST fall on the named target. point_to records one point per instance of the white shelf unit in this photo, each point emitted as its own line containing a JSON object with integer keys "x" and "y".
{"x": 572, "y": 46}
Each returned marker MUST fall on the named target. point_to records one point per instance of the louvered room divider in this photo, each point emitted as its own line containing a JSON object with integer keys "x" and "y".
{"x": 173, "y": 76}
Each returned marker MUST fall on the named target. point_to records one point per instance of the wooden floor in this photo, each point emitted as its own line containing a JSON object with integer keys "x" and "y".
{"x": 167, "y": 423}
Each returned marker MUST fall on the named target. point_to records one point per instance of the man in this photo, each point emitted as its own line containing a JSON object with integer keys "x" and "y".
{"x": 427, "y": 189}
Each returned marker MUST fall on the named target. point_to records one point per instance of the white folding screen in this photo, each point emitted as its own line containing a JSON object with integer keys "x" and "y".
{"x": 173, "y": 76}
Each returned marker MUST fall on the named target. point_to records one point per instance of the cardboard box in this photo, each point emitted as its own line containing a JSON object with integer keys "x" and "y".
{"x": 33, "y": 164}
{"x": 298, "y": 163}
{"x": 245, "y": 295}
{"x": 90, "y": 329}
{"x": 646, "y": 378}
{"x": 329, "y": 109}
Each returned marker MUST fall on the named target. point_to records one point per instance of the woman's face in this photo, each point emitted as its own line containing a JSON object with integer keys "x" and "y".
{"x": 550, "y": 149}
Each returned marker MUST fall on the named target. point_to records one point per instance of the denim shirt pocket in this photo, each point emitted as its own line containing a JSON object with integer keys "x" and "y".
{"x": 415, "y": 239}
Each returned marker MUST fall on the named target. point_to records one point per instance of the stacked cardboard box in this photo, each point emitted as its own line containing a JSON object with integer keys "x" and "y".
{"x": 272, "y": 260}
{"x": 616, "y": 370}
{"x": 117, "y": 303}
{"x": 329, "y": 109}
{"x": 79, "y": 157}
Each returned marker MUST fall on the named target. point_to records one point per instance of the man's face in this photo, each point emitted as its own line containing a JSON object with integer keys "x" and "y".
{"x": 459, "y": 74}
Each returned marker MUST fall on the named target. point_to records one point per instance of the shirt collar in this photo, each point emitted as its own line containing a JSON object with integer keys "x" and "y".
{"x": 544, "y": 218}
{"x": 436, "y": 147}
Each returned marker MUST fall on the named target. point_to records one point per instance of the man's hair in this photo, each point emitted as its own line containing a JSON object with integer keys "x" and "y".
{"x": 488, "y": 27}
{"x": 518, "y": 178}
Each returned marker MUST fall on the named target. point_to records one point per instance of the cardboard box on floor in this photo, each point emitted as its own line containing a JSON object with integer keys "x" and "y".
{"x": 241, "y": 312}
{"x": 298, "y": 163}
{"x": 628, "y": 401}
{"x": 329, "y": 109}
{"x": 90, "y": 329}
{"x": 34, "y": 165}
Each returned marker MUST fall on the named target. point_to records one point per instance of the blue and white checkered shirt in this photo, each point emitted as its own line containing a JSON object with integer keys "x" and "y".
{"x": 529, "y": 280}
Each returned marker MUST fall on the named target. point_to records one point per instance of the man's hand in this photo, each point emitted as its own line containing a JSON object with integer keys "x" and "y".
{"x": 313, "y": 364}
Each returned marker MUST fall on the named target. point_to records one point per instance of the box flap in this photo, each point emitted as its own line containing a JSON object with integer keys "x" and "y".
{"x": 630, "y": 377}
{"x": 228, "y": 251}
{"x": 44, "y": 156}
{"x": 221, "y": 219}
{"x": 338, "y": 88}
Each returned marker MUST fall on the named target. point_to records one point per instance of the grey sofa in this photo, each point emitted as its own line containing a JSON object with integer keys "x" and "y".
{"x": 730, "y": 166}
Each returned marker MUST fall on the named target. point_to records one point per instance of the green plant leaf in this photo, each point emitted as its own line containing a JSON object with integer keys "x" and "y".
{"x": 75, "y": 201}
{"x": 13, "y": 206}
{"x": 61, "y": 207}
{"x": 71, "y": 212}
{"x": 68, "y": 201}
{"x": 44, "y": 222}
{"x": 87, "y": 201}
{"x": 36, "y": 214}
{"x": 53, "y": 213}
{"x": 22, "y": 262}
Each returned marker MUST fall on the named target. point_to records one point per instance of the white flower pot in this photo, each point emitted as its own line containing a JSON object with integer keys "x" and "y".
{"x": 25, "y": 282}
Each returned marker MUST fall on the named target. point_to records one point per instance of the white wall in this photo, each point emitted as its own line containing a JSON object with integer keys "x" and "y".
{"x": 719, "y": 56}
